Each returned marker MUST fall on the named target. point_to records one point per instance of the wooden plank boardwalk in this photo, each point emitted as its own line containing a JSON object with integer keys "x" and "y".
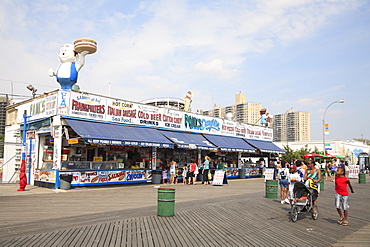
{"x": 238, "y": 220}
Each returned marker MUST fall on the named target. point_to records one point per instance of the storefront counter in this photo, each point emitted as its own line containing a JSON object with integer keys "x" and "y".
{"x": 95, "y": 177}
{"x": 250, "y": 172}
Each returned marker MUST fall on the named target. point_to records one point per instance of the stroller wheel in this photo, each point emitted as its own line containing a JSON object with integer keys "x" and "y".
{"x": 315, "y": 213}
{"x": 294, "y": 213}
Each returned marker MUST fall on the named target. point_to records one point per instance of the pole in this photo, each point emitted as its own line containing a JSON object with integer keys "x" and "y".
{"x": 323, "y": 133}
{"x": 323, "y": 123}
{"x": 22, "y": 174}
{"x": 29, "y": 162}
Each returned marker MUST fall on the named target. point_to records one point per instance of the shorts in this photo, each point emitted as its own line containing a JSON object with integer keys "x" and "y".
{"x": 172, "y": 172}
{"x": 314, "y": 195}
{"x": 291, "y": 195}
{"x": 341, "y": 202}
{"x": 283, "y": 183}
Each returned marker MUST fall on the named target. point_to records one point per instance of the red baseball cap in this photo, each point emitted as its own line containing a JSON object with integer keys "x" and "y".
{"x": 292, "y": 167}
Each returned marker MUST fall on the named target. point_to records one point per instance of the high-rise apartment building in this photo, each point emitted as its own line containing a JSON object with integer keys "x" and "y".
{"x": 243, "y": 112}
{"x": 3, "y": 102}
{"x": 291, "y": 126}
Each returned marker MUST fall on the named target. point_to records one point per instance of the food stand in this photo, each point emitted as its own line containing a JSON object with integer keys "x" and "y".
{"x": 102, "y": 140}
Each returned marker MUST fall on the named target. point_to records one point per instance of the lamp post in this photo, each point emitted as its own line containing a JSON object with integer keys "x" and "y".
{"x": 323, "y": 122}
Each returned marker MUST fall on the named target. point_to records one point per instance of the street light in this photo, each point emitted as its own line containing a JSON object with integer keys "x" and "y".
{"x": 323, "y": 122}
{"x": 33, "y": 90}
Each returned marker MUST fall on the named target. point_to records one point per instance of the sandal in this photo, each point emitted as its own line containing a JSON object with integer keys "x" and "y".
{"x": 340, "y": 222}
{"x": 345, "y": 223}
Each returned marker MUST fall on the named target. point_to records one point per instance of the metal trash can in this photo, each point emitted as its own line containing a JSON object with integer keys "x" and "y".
{"x": 200, "y": 177}
{"x": 65, "y": 181}
{"x": 242, "y": 173}
{"x": 322, "y": 183}
{"x": 156, "y": 176}
{"x": 362, "y": 178}
{"x": 166, "y": 202}
{"x": 272, "y": 189}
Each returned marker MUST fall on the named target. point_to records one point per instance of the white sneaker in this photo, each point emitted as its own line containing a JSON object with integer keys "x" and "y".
{"x": 287, "y": 201}
{"x": 282, "y": 202}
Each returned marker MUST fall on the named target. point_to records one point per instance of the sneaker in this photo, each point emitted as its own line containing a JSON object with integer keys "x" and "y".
{"x": 282, "y": 202}
{"x": 287, "y": 201}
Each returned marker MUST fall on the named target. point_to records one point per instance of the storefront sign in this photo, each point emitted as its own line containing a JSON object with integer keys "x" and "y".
{"x": 89, "y": 177}
{"x": 228, "y": 128}
{"x": 38, "y": 108}
{"x": 31, "y": 134}
{"x": 45, "y": 175}
{"x": 57, "y": 147}
{"x": 73, "y": 141}
{"x": 218, "y": 178}
{"x": 63, "y": 101}
{"x": 354, "y": 170}
{"x": 269, "y": 174}
{"x": 240, "y": 130}
{"x": 126, "y": 143}
{"x": 89, "y": 106}
{"x": 258, "y": 133}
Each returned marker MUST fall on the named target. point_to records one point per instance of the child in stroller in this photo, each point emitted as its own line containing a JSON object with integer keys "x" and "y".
{"x": 304, "y": 196}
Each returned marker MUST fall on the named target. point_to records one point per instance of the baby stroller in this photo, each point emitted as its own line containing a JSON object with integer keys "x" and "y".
{"x": 304, "y": 195}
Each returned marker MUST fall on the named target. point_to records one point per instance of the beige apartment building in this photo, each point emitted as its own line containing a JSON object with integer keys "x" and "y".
{"x": 242, "y": 111}
{"x": 292, "y": 126}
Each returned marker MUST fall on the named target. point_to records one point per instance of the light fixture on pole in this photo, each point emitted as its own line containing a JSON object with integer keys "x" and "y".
{"x": 33, "y": 90}
{"x": 323, "y": 122}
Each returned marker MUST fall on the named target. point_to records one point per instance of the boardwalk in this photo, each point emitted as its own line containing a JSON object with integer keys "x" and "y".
{"x": 234, "y": 215}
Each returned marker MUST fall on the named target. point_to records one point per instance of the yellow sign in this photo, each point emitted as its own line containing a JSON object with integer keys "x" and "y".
{"x": 97, "y": 158}
{"x": 73, "y": 141}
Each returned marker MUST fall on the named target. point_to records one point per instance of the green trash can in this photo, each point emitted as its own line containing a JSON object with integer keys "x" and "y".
{"x": 362, "y": 178}
{"x": 272, "y": 189}
{"x": 322, "y": 183}
{"x": 166, "y": 202}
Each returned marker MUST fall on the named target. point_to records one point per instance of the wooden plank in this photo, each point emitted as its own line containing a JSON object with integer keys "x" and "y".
{"x": 99, "y": 237}
{"x": 35, "y": 240}
{"x": 42, "y": 239}
{"x": 174, "y": 224}
{"x": 49, "y": 239}
{"x": 60, "y": 238}
{"x": 81, "y": 238}
{"x": 104, "y": 240}
{"x": 129, "y": 233}
{"x": 109, "y": 235}
{"x": 124, "y": 232}
{"x": 77, "y": 235}
{"x": 90, "y": 238}
{"x": 156, "y": 234}
{"x": 118, "y": 238}
{"x": 159, "y": 222}
{"x": 73, "y": 235}
{"x": 141, "y": 232}
{"x": 149, "y": 237}
{"x": 15, "y": 242}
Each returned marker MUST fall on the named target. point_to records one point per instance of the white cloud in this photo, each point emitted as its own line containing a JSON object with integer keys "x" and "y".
{"x": 216, "y": 67}
{"x": 299, "y": 103}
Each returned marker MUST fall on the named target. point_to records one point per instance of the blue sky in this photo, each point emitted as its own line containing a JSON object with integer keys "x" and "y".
{"x": 283, "y": 54}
